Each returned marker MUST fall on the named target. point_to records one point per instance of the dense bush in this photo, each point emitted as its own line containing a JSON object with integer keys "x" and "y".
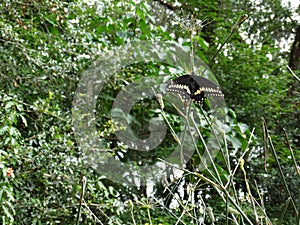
{"x": 45, "y": 48}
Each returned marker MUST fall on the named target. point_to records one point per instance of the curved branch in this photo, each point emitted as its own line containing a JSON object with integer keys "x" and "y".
{"x": 167, "y": 5}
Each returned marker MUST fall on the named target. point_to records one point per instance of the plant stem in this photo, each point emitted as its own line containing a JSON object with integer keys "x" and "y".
{"x": 83, "y": 185}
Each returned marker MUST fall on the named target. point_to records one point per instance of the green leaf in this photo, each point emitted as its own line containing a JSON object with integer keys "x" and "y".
{"x": 243, "y": 127}
{"x": 3, "y": 220}
{"x": 19, "y": 107}
{"x": 14, "y": 132}
{"x": 234, "y": 141}
{"x": 144, "y": 27}
{"x": 24, "y": 120}
{"x": 8, "y": 105}
{"x": 1, "y": 194}
{"x": 11, "y": 207}
{"x": 4, "y": 129}
{"x": 7, "y": 212}
{"x": 9, "y": 194}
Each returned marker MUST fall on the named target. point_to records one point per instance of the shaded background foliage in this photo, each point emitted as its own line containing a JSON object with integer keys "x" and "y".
{"x": 45, "y": 45}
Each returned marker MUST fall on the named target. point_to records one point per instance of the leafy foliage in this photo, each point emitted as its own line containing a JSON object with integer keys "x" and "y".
{"x": 45, "y": 47}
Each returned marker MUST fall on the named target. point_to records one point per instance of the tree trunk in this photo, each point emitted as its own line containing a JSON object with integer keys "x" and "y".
{"x": 294, "y": 62}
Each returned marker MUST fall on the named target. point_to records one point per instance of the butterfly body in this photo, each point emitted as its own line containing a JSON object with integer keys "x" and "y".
{"x": 192, "y": 87}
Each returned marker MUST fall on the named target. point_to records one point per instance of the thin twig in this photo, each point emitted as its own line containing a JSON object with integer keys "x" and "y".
{"x": 83, "y": 185}
{"x": 218, "y": 178}
{"x": 93, "y": 214}
{"x": 263, "y": 211}
{"x": 149, "y": 215}
{"x": 242, "y": 156}
{"x": 194, "y": 173}
{"x": 186, "y": 126}
{"x": 284, "y": 211}
{"x": 242, "y": 162}
{"x": 262, "y": 207}
{"x": 233, "y": 30}
{"x": 292, "y": 153}
{"x": 167, "y": 209}
{"x": 264, "y": 144}
{"x": 291, "y": 71}
{"x": 131, "y": 212}
{"x": 280, "y": 168}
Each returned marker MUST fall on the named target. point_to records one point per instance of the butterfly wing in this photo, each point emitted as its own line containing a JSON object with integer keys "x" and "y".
{"x": 182, "y": 86}
{"x": 204, "y": 88}
{"x": 194, "y": 87}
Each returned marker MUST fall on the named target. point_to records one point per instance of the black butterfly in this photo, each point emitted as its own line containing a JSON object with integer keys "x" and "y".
{"x": 192, "y": 87}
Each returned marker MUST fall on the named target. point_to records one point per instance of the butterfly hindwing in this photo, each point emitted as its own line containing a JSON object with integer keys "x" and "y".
{"x": 208, "y": 87}
{"x": 194, "y": 87}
